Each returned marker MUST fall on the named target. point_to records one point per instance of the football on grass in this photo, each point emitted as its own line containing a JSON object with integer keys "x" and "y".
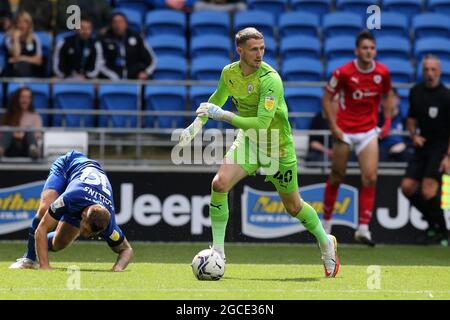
{"x": 208, "y": 265}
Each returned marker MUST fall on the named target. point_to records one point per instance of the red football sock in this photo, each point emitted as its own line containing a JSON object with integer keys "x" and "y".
{"x": 329, "y": 200}
{"x": 366, "y": 202}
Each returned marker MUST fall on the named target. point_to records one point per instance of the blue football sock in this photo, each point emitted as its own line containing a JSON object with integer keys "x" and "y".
{"x": 50, "y": 237}
{"x": 31, "y": 251}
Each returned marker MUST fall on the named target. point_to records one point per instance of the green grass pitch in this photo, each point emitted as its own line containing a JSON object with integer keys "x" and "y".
{"x": 272, "y": 272}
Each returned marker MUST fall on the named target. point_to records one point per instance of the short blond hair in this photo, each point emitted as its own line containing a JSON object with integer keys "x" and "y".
{"x": 245, "y": 34}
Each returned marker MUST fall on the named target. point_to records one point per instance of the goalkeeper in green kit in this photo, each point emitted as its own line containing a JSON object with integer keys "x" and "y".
{"x": 264, "y": 141}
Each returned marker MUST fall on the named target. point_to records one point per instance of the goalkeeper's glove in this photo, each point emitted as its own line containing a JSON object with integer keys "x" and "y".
{"x": 214, "y": 112}
{"x": 188, "y": 134}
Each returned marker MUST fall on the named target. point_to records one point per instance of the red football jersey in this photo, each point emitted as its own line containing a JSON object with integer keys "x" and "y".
{"x": 360, "y": 94}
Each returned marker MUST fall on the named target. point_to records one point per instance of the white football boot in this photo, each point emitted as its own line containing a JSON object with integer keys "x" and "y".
{"x": 24, "y": 263}
{"x": 330, "y": 258}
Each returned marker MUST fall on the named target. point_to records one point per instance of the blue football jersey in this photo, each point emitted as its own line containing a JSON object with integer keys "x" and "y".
{"x": 87, "y": 184}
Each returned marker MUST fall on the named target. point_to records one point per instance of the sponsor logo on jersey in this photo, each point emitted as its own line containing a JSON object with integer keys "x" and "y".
{"x": 18, "y": 206}
{"x": 269, "y": 103}
{"x": 354, "y": 79}
{"x": 115, "y": 236}
{"x": 250, "y": 88}
{"x": 433, "y": 112}
{"x": 264, "y": 215}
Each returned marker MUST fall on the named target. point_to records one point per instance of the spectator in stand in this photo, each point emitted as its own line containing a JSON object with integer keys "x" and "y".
{"x": 78, "y": 56}
{"x": 181, "y": 5}
{"x": 126, "y": 54}
{"x": 23, "y": 49}
{"x": 21, "y": 114}
{"x": 393, "y": 148}
{"x": 231, "y": 6}
{"x": 319, "y": 150}
{"x": 5, "y": 16}
{"x": 41, "y": 12}
{"x": 98, "y": 10}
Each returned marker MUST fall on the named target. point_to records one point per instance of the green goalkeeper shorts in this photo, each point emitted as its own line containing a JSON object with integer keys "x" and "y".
{"x": 282, "y": 172}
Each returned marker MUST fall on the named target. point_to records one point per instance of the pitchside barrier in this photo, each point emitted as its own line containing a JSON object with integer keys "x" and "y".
{"x": 170, "y": 203}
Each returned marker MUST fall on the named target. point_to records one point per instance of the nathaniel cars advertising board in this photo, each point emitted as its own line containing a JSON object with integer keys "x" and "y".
{"x": 157, "y": 206}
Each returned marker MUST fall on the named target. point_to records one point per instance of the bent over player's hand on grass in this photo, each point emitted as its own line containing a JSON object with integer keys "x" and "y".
{"x": 214, "y": 112}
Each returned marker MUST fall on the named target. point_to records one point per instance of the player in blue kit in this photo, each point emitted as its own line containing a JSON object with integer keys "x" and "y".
{"x": 76, "y": 200}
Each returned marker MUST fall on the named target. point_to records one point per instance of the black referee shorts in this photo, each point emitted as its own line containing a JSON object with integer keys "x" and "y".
{"x": 425, "y": 162}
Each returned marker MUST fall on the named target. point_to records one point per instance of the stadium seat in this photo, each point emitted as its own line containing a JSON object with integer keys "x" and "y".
{"x": 440, "y": 6}
{"x": 261, "y": 20}
{"x": 445, "y": 67}
{"x": 165, "y": 98}
{"x": 270, "y": 48}
{"x": 73, "y": 96}
{"x": 303, "y": 100}
{"x": 401, "y": 70}
{"x": 333, "y": 64}
{"x": 199, "y": 94}
{"x": 170, "y": 68}
{"x": 210, "y": 45}
{"x": 339, "y": 47}
{"x": 298, "y": 23}
{"x": 208, "y": 68}
{"x": 134, "y": 17}
{"x": 41, "y": 95}
{"x": 356, "y": 6}
{"x": 46, "y": 42}
{"x": 168, "y": 45}
{"x": 139, "y": 5}
{"x": 431, "y": 25}
{"x": 318, "y": 7}
{"x": 165, "y": 22}
{"x": 302, "y": 69}
{"x": 300, "y": 46}
{"x": 274, "y": 7}
{"x": 342, "y": 23}
{"x": 209, "y": 22}
{"x": 393, "y": 47}
{"x": 272, "y": 62}
{"x": 408, "y": 8}
{"x": 393, "y": 24}
{"x": 122, "y": 97}
{"x": 434, "y": 45}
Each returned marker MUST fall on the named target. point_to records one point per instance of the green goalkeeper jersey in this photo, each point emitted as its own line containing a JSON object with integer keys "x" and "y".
{"x": 259, "y": 98}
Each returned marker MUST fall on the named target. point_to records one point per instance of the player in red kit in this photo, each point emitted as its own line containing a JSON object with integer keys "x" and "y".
{"x": 361, "y": 85}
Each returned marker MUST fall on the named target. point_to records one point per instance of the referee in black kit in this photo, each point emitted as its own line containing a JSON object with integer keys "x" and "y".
{"x": 429, "y": 125}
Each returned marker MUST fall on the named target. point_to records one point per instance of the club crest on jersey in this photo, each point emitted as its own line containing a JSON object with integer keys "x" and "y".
{"x": 269, "y": 103}
{"x": 114, "y": 236}
{"x": 433, "y": 112}
{"x": 377, "y": 79}
{"x": 250, "y": 88}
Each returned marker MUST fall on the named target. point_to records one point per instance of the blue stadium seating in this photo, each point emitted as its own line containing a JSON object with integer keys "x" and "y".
{"x": 401, "y": 70}
{"x": 270, "y": 48}
{"x": 302, "y": 69}
{"x": 393, "y": 24}
{"x": 272, "y": 62}
{"x": 356, "y": 6}
{"x": 318, "y": 7}
{"x": 435, "y": 45}
{"x": 165, "y": 98}
{"x": 263, "y": 21}
{"x": 199, "y": 94}
{"x": 441, "y": 6}
{"x": 208, "y": 68}
{"x": 209, "y": 22}
{"x": 165, "y": 22}
{"x": 298, "y": 23}
{"x": 405, "y": 7}
{"x": 342, "y": 23}
{"x": 139, "y": 5}
{"x": 300, "y": 46}
{"x": 445, "y": 67}
{"x": 170, "y": 68}
{"x": 210, "y": 45}
{"x": 393, "y": 47}
{"x": 73, "y": 96}
{"x": 333, "y": 64}
{"x": 339, "y": 47}
{"x": 115, "y": 97}
{"x": 168, "y": 44}
{"x": 431, "y": 25}
{"x": 41, "y": 95}
{"x": 274, "y": 7}
{"x": 303, "y": 100}
{"x": 134, "y": 17}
